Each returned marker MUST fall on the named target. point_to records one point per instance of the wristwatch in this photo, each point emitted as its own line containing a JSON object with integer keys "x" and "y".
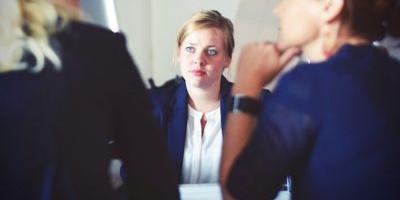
{"x": 245, "y": 104}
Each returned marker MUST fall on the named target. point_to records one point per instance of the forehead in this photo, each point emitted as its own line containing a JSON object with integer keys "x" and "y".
{"x": 205, "y": 36}
{"x": 295, "y": 3}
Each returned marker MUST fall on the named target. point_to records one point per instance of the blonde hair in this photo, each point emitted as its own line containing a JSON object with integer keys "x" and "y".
{"x": 207, "y": 19}
{"x": 27, "y": 26}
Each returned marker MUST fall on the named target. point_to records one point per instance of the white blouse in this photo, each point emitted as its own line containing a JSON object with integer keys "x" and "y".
{"x": 202, "y": 154}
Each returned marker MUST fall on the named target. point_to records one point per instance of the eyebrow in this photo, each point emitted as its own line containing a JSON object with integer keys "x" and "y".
{"x": 194, "y": 44}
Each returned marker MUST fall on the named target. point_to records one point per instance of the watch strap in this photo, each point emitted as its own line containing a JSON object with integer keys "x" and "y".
{"x": 245, "y": 104}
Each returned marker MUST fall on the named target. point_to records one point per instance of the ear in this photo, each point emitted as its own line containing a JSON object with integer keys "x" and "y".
{"x": 227, "y": 62}
{"x": 332, "y": 10}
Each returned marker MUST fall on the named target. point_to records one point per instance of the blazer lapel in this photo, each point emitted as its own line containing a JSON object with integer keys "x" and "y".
{"x": 225, "y": 94}
{"x": 177, "y": 127}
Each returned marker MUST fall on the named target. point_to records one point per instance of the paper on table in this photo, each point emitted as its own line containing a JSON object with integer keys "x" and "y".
{"x": 212, "y": 191}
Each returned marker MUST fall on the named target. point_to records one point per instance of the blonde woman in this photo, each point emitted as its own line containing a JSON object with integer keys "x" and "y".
{"x": 66, "y": 89}
{"x": 192, "y": 112}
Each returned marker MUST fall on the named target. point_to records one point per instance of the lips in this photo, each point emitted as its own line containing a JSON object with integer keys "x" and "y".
{"x": 198, "y": 72}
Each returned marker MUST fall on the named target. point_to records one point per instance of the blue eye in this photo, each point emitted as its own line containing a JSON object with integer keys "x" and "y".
{"x": 189, "y": 49}
{"x": 212, "y": 52}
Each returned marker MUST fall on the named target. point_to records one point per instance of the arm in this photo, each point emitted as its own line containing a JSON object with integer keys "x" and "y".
{"x": 143, "y": 149}
{"x": 258, "y": 65}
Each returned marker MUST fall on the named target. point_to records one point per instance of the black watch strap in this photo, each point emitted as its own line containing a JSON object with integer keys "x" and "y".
{"x": 246, "y": 104}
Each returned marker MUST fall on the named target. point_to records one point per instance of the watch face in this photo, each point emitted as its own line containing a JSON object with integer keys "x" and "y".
{"x": 240, "y": 103}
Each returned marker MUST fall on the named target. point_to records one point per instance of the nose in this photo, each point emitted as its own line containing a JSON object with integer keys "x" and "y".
{"x": 199, "y": 58}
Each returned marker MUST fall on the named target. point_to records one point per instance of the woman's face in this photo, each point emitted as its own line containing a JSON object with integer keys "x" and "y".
{"x": 298, "y": 21}
{"x": 202, "y": 57}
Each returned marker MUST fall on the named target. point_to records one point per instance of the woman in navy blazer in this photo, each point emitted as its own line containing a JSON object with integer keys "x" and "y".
{"x": 204, "y": 48}
{"x": 171, "y": 110}
{"x": 332, "y": 124}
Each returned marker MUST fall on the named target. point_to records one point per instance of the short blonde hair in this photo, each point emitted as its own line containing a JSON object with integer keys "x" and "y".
{"x": 207, "y": 19}
{"x": 27, "y": 27}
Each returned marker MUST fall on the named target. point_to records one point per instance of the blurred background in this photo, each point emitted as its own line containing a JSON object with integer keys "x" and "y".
{"x": 150, "y": 27}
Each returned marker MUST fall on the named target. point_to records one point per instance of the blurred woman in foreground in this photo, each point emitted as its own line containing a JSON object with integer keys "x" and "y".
{"x": 333, "y": 124}
{"x": 66, "y": 89}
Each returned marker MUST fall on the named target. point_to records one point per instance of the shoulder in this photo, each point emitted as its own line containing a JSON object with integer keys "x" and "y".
{"x": 163, "y": 96}
{"x": 89, "y": 34}
{"x": 99, "y": 55}
{"x": 299, "y": 88}
{"x": 88, "y": 30}
{"x": 304, "y": 76}
{"x": 226, "y": 87}
{"x": 265, "y": 94}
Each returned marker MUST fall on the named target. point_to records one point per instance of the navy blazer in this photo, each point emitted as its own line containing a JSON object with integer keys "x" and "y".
{"x": 334, "y": 126}
{"x": 171, "y": 111}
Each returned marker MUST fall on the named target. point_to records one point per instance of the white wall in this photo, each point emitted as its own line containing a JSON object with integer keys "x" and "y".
{"x": 94, "y": 12}
{"x": 151, "y": 27}
{"x": 134, "y": 18}
{"x": 254, "y": 22}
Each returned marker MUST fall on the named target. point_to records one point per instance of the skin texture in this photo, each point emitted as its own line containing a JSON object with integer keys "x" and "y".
{"x": 202, "y": 59}
{"x": 298, "y": 21}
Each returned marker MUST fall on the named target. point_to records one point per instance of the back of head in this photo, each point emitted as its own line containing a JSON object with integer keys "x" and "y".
{"x": 208, "y": 19}
{"x": 26, "y": 27}
{"x": 394, "y": 21}
{"x": 370, "y": 19}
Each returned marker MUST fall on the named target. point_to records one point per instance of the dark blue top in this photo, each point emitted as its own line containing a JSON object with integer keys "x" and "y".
{"x": 55, "y": 125}
{"x": 170, "y": 109}
{"x": 333, "y": 126}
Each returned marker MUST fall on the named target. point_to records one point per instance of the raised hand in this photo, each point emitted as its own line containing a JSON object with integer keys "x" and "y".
{"x": 259, "y": 63}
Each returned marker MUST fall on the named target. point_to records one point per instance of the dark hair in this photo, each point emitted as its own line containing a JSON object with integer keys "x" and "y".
{"x": 371, "y": 19}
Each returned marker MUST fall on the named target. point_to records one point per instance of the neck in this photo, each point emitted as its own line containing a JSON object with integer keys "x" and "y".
{"x": 312, "y": 52}
{"x": 204, "y": 99}
{"x": 355, "y": 41}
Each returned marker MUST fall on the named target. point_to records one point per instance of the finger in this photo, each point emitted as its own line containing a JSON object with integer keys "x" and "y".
{"x": 281, "y": 47}
{"x": 268, "y": 43}
{"x": 288, "y": 55}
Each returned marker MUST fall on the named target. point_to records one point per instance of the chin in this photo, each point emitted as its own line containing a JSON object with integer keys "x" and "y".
{"x": 285, "y": 44}
{"x": 194, "y": 82}
{"x": 282, "y": 43}
{"x": 199, "y": 83}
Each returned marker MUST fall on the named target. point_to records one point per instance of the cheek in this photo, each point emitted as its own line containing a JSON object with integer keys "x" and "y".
{"x": 184, "y": 60}
{"x": 298, "y": 29}
{"x": 183, "y": 65}
{"x": 217, "y": 67}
